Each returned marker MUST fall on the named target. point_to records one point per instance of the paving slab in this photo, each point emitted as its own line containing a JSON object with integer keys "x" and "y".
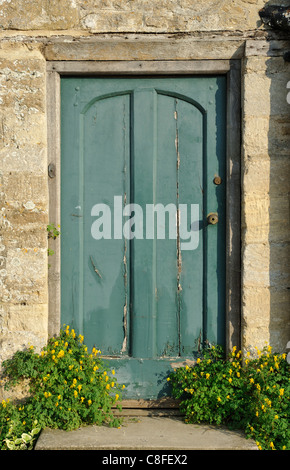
{"x": 146, "y": 433}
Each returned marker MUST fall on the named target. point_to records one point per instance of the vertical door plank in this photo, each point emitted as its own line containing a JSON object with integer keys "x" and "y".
{"x": 190, "y": 135}
{"x": 143, "y": 251}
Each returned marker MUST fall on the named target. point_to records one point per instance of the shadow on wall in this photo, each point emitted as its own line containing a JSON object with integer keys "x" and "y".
{"x": 277, "y": 19}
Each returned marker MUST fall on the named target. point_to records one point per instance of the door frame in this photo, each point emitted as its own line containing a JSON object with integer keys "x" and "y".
{"x": 231, "y": 68}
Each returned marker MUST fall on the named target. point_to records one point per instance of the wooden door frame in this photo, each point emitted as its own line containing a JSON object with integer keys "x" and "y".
{"x": 231, "y": 68}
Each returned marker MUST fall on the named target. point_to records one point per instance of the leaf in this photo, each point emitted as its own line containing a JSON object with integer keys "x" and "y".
{"x": 18, "y": 441}
{"x": 26, "y": 437}
{"x": 10, "y": 444}
{"x": 35, "y": 431}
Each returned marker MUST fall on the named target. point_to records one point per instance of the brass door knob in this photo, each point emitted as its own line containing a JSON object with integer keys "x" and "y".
{"x": 212, "y": 218}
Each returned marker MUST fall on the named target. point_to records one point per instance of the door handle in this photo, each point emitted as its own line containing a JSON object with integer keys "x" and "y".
{"x": 212, "y": 218}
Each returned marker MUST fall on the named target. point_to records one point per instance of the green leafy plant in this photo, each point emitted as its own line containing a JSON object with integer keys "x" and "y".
{"x": 24, "y": 442}
{"x": 250, "y": 394}
{"x": 68, "y": 387}
{"x": 52, "y": 233}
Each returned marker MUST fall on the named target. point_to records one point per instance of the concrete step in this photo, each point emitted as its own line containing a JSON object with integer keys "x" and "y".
{"x": 167, "y": 433}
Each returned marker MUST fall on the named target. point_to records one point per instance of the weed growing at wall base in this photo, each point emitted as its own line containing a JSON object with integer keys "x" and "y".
{"x": 244, "y": 393}
{"x": 68, "y": 386}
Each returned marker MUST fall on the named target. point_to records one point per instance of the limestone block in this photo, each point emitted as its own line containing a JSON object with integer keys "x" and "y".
{"x": 255, "y": 135}
{"x": 38, "y": 14}
{"x": 279, "y": 134}
{"x": 256, "y": 265}
{"x": 108, "y": 21}
{"x": 169, "y": 15}
{"x": 24, "y": 326}
{"x": 265, "y": 86}
{"x": 270, "y": 322}
{"x": 144, "y": 47}
{"x": 266, "y": 220}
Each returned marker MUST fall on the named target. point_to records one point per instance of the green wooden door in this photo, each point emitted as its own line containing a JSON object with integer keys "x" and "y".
{"x": 142, "y": 269}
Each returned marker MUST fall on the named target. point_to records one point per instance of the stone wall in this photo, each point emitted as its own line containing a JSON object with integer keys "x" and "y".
{"x": 34, "y": 31}
{"x": 265, "y": 202}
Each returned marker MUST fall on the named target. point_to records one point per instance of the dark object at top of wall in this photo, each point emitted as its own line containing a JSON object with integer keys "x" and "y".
{"x": 276, "y": 17}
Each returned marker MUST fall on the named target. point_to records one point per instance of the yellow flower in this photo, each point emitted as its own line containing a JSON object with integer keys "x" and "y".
{"x": 61, "y": 353}
{"x": 168, "y": 379}
{"x": 112, "y": 384}
{"x": 198, "y": 360}
{"x": 56, "y": 343}
{"x": 207, "y": 376}
{"x": 117, "y": 396}
{"x": 113, "y": 372}
{"x": 108, "y": 386}
{"x": 73, "y": 333}
{"x": 276, "y": 417}
{"x": 272, "y": 445}
{"x": 281, "y": 392}
{"x": 79, "y": 387}
{"x": 89, "y": 402}
{"x": 230, "y": 380}
{"x": 123, "y": 386}
{"x": 75, "y": 393}
{"x": 82, "y": 399}
{"x": 219, "y": 399}
{"x": 24, "y": 422}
